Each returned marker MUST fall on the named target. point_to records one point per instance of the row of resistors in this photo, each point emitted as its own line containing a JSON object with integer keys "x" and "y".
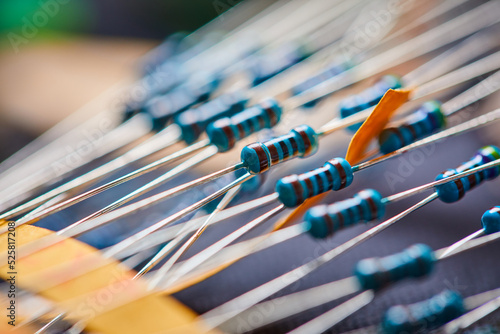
{"x": 263, "y": 175}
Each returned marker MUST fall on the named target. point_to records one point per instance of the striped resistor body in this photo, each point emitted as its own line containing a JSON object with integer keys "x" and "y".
{"x": 162, "y": 108}
{"x": 300, "y": 142}
{"x": 226, "y": 132}
{"x": 427, "y": 119}
{"x": 453, "y": 191}
{"x": 294, "y": 189}
{"x": 491, "y": 220}
{"x": 377, "y": 273}
{"x": 368, "y": 98}
{"x": 193, "y": 122}
{"x": 323, "y": 221}
{"x": 162, "y": 80}
{"x": 423, "y": 316}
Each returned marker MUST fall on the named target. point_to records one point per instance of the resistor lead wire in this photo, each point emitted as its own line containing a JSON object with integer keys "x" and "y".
{"x": 228, "y": 197}
{"x": 243, "y": 302}
{"x": 293, "y": 303}
{"x": 475, "y": 48}
{"x": 44, "y": 242}
{"x": 131, "y": 156}
{"x": 452, "y": 131}
{"x": 120, "y": 202}
{"x": 230, "y": 309}
{"x": 461, "y": 26}
{"x": 127, "y": 137}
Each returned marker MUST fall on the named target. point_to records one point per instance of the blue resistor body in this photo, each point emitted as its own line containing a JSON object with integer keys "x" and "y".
{"x": 423, "y": 122}
{"x": 294, "y": 189}
{"x": 193, "y": 122}
{"x": 368, "y": 98}
{"x": 226, "y": 132}
{"x": 300, "y": 142}
{"x": 491, "y": 220}
{"x": 327, "y": 74}
{"x": 423, "y": 316}
{"x": 324, "y": 220}
{"x": 161, "y": 109}
{"x": 164, "y": 79}
{"x": 376, "y": 273}
{"x": 453, "y": 191}
{"x": 265, "y": 67}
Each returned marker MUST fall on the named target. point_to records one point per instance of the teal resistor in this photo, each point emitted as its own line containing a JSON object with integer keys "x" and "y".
{"x": 368, "y": 98}
{"x": 323, "y": 221}
{"x": 299, "y": 142}
{"x": 193, "y": 122}
{"x": 294, "y": 189}
{"x": 377, "y": 273}
{"x": 491, "y": 220}
{"x": 426, "y": 120}
{"x": 453, "y": 191}
{"x": 163, "y": 108}
{"x": 224, "y": 133}
{"x": 423, "y": 316}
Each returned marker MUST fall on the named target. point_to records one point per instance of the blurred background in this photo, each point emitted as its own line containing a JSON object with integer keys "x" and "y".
{"x": 57, "y": 55}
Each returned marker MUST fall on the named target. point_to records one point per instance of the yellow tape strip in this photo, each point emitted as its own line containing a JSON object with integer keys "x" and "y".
{"x": 106, "y": 298}
{"x": 375, "y": 123}
{"x": 371, "y": 128}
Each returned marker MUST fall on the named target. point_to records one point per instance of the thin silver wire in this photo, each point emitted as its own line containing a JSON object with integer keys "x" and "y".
{"x": 230, "y": 309}
{"x": 228, "y": 197}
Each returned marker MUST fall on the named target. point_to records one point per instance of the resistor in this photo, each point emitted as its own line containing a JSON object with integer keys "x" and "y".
{"x": 426, "y": 120}
{"x": 491, "y": 220}
{"x": 323, "y": 221}
{"x": 377, "y": 273}
{"x": 300, "y": 142}
{"x": 193, "y": 122}
{"x": 453, "y": 191}
{"x": 293, "y": 190}
{"x": 369, "y": 97}
{"x": 428, "y": 314}
{"x": 226, "y": 132}
{"x": 161, "y": 109}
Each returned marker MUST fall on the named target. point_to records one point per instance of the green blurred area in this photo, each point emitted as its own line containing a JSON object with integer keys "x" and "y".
{"x": 41, "y": 19}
